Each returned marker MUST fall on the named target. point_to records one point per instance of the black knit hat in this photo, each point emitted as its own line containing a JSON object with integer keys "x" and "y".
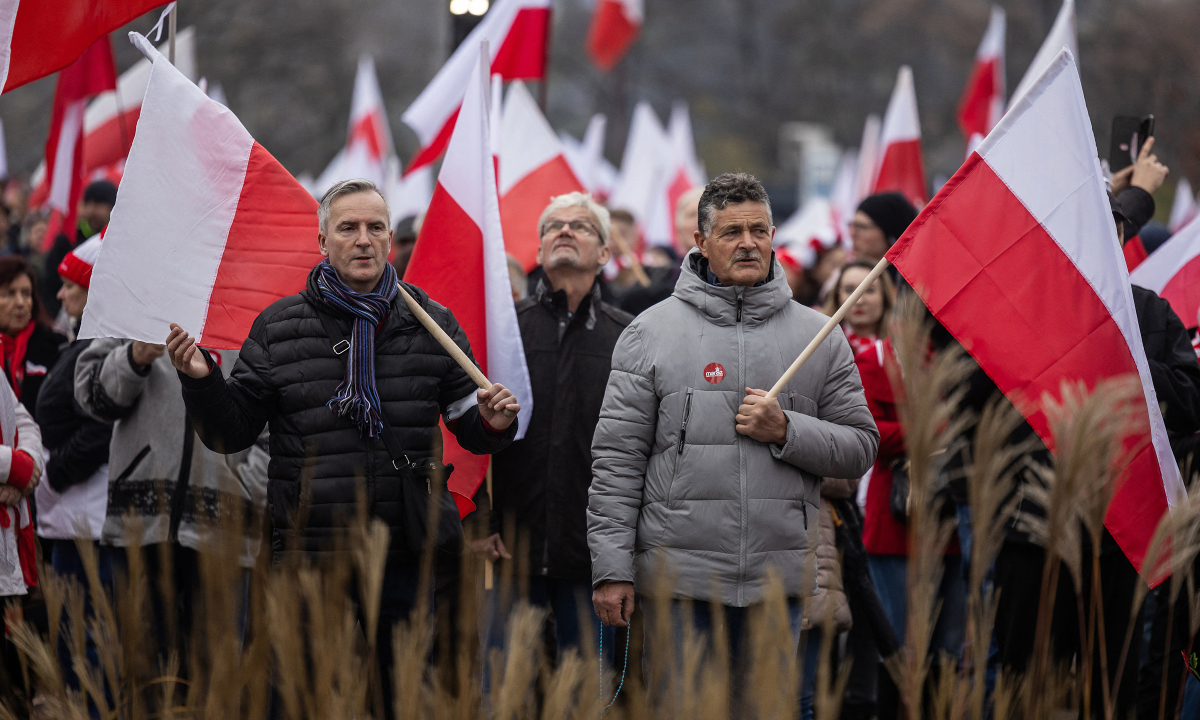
{"x": 101, "y": 191}
{"x": 891, "y": 211}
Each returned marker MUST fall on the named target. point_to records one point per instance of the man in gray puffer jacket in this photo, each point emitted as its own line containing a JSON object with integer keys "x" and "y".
{"x": 691, "y": 464}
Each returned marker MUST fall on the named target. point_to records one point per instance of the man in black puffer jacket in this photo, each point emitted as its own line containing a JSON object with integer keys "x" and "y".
{"x": 328, "y": 426}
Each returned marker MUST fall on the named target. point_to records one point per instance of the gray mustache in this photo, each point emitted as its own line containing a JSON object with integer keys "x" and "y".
{"x": 746, "y": 255}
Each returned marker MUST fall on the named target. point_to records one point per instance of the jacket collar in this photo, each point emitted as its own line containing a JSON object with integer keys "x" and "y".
{"x": 720, "y": 304}
{"x": 556, "y": 301}
{"x": 399, "y": 317}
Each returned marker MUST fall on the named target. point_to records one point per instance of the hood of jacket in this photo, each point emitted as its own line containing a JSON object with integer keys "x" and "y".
{"x": 719, "y": 304}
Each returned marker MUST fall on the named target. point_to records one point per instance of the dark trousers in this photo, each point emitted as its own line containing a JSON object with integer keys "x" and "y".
{"x": 397, "y": 599}
{"x": 173, "y": 581}
{"x": 1164, "y": 650}
{"x": 1018, "y": 578}
{"x": 68, "y": 564}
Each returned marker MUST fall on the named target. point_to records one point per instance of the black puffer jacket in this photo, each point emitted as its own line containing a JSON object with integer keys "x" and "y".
{"x": 78, "y": 443}
{"x": 543, "y": 479}
{"x": 287, "y": 372}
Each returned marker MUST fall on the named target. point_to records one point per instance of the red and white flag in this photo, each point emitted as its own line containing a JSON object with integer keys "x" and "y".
{"x": 518, "y": 34}
{"x": 901, "y": 167}
{"x": 647, "y": 153}
{"x": 368, "y": 138}
{"x": 1184, "y": 208}
{"x": 1173, "y": 272}
{"x": 615, "y": 26}
{"x": 680, "y": 172}
{"x": 982, "y": 102}
{"x": 868, "y": 157}
{"x": 532, "y": 170}
{"x": 1036, "y": 189}
{"x": 111, "y": 117}
{"x": 459, "y": 260}
{"x": 39, "y": 37}
{"x": 208, "y": 229}
{"x": 93, "y": 73}
{"x": 844, "y": 197}
{"x": 587, "y": 160}
{"x": 1062, "y": 34}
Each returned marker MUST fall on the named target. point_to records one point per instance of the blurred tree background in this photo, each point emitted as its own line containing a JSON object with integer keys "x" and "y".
{"x": 744, "y": 66}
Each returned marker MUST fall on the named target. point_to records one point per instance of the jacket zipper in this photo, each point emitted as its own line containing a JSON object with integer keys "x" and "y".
{"x": 687, "y": 412}
{"x": 741, "y": 457}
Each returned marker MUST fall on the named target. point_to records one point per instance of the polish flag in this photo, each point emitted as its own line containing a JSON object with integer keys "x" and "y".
{"x": 208, "y": 229}
{"x": 368, "y": 138}
{"x": 459, "y": 260}
{"x": 1184, "y": 208}
{"x": 91, "y": 74}
{"x": 110, "y": 118}
{"x": 1173, "y": 272}
{"x": 642, "y": 166}
{"x": 39, "y": 37}
{"x": 844, "y": 197}
{"x": 587, "y": 160}
{"x": 868, "y": 157}
{"x": 518, "y": 33}
{"x": 615, "y": 26}
{"x": 1062, "y": 34}
{"x": 1036, "y": 186}
{"x": 532, "y": 170}
{"x": 982, "y": 102}
{"x": 681, "y": 172}
{"x": 900, "y": 165}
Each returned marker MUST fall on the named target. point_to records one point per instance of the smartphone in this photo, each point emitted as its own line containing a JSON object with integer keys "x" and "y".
{"x": 1128, "y": 136}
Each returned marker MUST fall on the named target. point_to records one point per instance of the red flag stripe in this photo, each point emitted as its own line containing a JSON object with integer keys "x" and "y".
{"x": 522, "y": 206}
{"x": 610, "y": 35}
{"x": 964, "y": 275}
{"x": 48, "y": 35}
{"x": 903, "y": 170}
{"x": 271, "y": 246}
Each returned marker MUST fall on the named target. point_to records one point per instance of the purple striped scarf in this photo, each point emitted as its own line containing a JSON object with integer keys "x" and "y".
{"x": 357, "y": 398}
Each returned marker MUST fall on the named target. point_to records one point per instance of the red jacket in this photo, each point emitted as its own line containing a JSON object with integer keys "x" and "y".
{"x": 882, "y": 535}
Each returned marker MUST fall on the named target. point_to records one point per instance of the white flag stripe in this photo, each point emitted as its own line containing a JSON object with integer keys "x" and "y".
{"x": 178, "y": 122}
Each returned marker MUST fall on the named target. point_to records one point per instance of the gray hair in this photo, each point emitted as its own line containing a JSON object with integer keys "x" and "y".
{"x": 347, "y": 187}
{"x": 585, "y": 201}
{"x": 730, "y": 189}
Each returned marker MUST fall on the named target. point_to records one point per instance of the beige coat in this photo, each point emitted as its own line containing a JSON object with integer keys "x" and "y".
{"x": 831, "y": 596}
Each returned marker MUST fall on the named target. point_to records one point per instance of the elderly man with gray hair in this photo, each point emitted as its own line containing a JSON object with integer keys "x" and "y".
{"x": 352, "y": 387}
{"x": 540, "y": 483}
{"x": 695, "y": 471}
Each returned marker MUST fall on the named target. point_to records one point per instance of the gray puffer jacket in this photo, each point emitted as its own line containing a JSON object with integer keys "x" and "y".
{"x": 672, "y": 480}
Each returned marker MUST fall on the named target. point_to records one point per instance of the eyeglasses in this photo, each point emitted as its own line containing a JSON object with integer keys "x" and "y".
{"x": 862, "y": 226}
{"x": 577, "y": 226}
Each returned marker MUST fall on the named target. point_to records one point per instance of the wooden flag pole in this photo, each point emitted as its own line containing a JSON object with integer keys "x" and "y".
{"x": 448, "y": 344}
{"x": 171, "y": 34}
{"x": 829, "y": 326}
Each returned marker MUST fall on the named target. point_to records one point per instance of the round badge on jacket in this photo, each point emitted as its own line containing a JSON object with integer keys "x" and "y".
{"x": 714, "y": 373}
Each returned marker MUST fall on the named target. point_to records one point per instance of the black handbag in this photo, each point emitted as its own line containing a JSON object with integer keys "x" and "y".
{"x": 898, "y": 499}
{"x": 417, "y": 480}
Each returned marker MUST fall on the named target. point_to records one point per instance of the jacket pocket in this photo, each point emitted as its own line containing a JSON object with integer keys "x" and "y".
{"x": 133, "y": 465}
{"x": 687, "y": 413}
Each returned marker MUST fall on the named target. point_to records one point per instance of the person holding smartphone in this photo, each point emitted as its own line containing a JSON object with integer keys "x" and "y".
{"x": 1134, "y": 187}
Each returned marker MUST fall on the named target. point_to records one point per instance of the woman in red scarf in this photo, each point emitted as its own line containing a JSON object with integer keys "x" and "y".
{"x": 28, "y": 347}
{"x": 867, "y": 320}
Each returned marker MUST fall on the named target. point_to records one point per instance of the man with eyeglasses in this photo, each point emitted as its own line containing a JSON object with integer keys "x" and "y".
{"x": 540, "y": 483}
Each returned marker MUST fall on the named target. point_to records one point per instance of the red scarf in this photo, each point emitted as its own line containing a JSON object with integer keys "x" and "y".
{"x": 14, "y": 356}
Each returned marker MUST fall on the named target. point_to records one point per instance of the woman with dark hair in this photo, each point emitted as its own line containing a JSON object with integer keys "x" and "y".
{"x": 867, "y": 320}
{"x": 28, "y": 347}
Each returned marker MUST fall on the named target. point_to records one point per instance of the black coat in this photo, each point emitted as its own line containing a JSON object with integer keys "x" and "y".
{"x": 542, "y": 480}
{"x": 41, "y": 354}
{"x": 287, "y": 372}
{"x": 78, "y": 444}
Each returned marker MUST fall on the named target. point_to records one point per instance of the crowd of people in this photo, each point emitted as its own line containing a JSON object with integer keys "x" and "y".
{"x": 653, "y": 445}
